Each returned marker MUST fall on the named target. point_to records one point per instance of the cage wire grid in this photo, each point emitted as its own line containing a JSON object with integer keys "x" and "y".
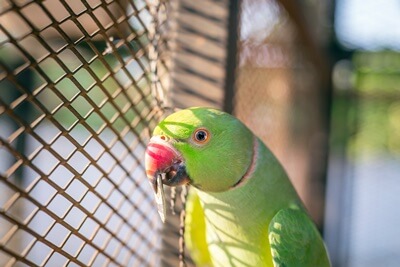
{"x": 79, "y": 94}
{"x": 75, "y": 110}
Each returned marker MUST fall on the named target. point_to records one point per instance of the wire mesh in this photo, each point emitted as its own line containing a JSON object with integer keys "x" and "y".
{"x": 75, "y": 110}
{"x": 198, "y": 76}
{"x": 83, "y": 82}
{"x": 200, "y": 53}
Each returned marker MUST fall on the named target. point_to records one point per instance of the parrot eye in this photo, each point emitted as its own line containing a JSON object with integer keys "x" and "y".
{"x": 201, "y": 136}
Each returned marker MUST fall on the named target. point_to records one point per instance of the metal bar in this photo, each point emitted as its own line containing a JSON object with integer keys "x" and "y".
{"x": 232, "y": 54}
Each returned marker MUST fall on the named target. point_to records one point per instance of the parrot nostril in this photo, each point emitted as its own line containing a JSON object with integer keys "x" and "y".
{"x": 163, "y": 137}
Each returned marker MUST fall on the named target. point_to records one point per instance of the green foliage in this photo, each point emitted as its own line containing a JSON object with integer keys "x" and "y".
{"x": 378, "y": 128}
{"x": 366, "y": 119}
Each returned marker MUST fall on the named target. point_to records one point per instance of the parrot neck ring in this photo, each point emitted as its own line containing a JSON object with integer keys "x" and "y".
{"x": 252, "y": 166}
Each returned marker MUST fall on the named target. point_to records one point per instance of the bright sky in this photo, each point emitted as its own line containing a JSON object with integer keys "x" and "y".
{"x": 368, "y": 24}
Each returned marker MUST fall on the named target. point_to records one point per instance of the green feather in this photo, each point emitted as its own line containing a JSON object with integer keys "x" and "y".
{"x": 250, "y": 224}
{"x": 295, "y": 241}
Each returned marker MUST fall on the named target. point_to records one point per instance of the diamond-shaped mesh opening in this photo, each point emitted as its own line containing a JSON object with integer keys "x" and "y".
{"x": 75, "y": 112}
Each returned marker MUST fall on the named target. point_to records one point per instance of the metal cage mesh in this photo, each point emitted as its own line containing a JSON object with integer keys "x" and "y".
{"x": 81, "y": 86}
{"x": 75, "y": 110}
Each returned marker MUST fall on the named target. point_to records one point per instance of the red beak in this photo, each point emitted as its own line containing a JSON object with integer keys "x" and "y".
{"x": 161, "y": 157}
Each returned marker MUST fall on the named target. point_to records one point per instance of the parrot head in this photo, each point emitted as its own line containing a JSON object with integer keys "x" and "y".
{"x": 204, "y": 147}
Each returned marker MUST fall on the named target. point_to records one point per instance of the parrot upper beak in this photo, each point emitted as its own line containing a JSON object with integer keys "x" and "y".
{"x": 161, "y": 157}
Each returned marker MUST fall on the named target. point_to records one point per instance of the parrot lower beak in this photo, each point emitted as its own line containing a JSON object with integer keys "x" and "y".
{"x": 162, "y": 158}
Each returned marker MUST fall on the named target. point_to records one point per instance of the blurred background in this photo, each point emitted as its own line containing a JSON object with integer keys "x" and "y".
{"x": 83, "y": 83}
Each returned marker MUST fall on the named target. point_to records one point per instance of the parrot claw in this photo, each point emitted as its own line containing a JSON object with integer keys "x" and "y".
{"x": 160, "y": 197}
{"x": 175, "y": 177}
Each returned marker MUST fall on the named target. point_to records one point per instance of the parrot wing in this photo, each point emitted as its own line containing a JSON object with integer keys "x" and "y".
{"x": 295, "y": 241}
{"x": 195, "y": 231}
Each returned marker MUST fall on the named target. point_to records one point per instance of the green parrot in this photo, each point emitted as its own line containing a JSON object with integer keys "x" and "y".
{"x": 242, "y": 209}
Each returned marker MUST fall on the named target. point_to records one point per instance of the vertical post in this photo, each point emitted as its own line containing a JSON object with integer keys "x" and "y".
{"x": 232, "y": 54}
{"x": 339, "y": 186}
